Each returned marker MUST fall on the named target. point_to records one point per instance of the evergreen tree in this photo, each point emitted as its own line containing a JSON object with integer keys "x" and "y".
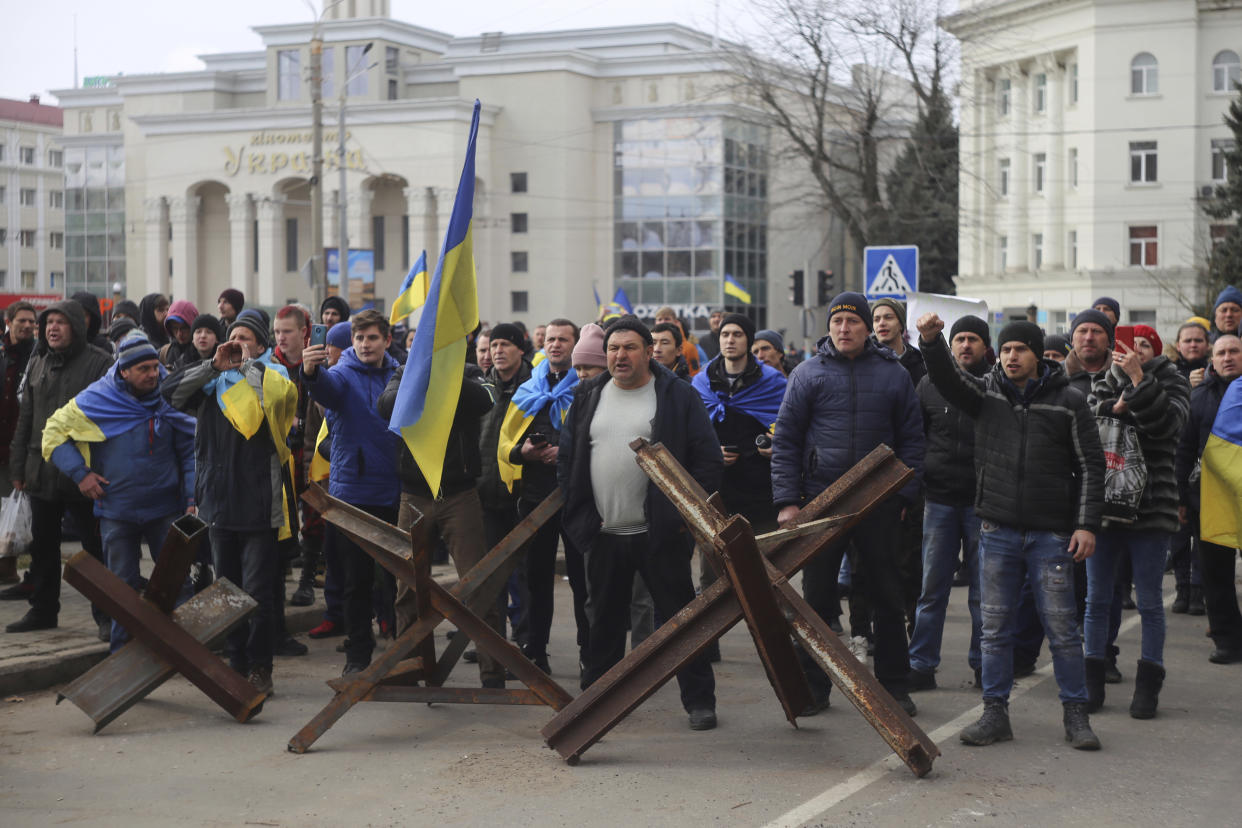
{"x": 1225, "y": 262}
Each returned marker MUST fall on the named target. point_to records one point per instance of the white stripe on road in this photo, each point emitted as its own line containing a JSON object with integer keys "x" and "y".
{"x": 873, "y": 773}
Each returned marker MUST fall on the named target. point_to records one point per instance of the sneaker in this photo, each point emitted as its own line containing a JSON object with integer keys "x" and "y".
{"x": 993, "y": 725}
{"x": 921, "y": 680}
{"x": 260, "y": 679}
{"x": 858, "y": 646}
{"x": 703, "y": 718}
{"x": 290, "y": 647}
{"x": 327, "y": 629}
{"x": 30, "y": 622}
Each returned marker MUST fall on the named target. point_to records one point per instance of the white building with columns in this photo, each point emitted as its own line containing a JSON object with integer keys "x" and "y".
{"x": 606, "y": 158}
{"x": 1090, "y": 132}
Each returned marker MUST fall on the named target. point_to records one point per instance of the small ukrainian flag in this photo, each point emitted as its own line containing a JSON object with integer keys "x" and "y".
{"x": 732, "y": 288}
{"x": 413, "y": 293}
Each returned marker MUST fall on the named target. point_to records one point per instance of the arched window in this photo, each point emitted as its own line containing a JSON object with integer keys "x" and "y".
{"x": 1226, "y": 71}
{"x": 1144, "y": 74}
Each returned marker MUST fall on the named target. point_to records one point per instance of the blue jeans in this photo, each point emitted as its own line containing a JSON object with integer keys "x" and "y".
{"x": 946, "y": 529}
{"x": 1147, "y": 561}
{"x": 1005, "y": 556}
{"x": 122, "y": 547}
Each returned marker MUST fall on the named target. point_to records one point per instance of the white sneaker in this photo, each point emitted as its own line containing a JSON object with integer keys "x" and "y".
{"x": 858, "y": 646}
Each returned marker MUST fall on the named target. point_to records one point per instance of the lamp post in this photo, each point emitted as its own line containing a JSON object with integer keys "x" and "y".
{"x": 342, "y": 249}
{"x": 319, "y": 270}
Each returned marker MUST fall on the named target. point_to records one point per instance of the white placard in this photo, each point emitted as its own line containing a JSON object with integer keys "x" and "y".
{"x": 949, "y": 308}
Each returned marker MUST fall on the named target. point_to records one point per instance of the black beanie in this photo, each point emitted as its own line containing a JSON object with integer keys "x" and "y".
{"x": 850, "y": 302}
{"x": 342, "y": 307}
{"x": 1028, "y": 333}
{"x": 629, "y": 322}
{"x": 206, "y": 320}
{"x": 742, "y": 321}
{"x": 509, "y": 333}
{"x": 1098, "y": 318}
{"x": 1059, "y": 343}
{"x": 974, "y": 325}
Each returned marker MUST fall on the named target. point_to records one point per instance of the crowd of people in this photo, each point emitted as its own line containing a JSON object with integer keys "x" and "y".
{"x": 232, "y": 416}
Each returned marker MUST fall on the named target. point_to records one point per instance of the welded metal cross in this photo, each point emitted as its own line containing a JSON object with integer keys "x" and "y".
{"x": 754, "y": 585}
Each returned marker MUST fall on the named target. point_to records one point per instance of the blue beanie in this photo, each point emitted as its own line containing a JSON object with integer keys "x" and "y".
{"x": 850, "y": 302}
{"x": 1229, "y": 294}
{"x": 133, "y": 349}
{"x": 772, "y": 337}
{"x": 340, "y": 335}
{"x": 1110, "y": 303}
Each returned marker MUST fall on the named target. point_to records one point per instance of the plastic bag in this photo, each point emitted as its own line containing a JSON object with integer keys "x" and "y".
{"x": 1125, "y": 472}
{"x": 15, "y": 525}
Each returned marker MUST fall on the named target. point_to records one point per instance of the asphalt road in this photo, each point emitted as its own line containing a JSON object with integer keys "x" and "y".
{"x": 176, "y": 759}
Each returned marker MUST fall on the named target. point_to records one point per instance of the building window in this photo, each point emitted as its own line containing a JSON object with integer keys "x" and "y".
{"x": 518, "y": 301}
{"x": 26, "y": 196}
{"x": 519, "y": 263}
{"x": 4, "y": 236}
{"x": 288, "y": 75}
{"x": 1144, "y": 245}
{"x": 392, "y": 89}
{"x": 1218, "y": 233}
{"x": 1142, "y": 162}
{"x": 1072, "y": 163}
{"x": 28, "y": 280}
{"x": 54, "y": 277}
{"x": 27, "y": 156}
{"x": 56, "y": 241}
{"x": 291, "y": 245}
{"x": 1226, "y": 71}
{"x": 1037, "y": 251}
{"x": 517, "y": 182}
{"x": 1, "y": 152}
{"x": 26, "y": 238}
{"x": 1041, "y": 92}
{"x": 1071, "y": 249}
{"x": 1144, "y": 75}
{"x": 1003, "y": 89}
{"x": 392, "y": 59}
{"x": 1002, "y": 180}
{"x": 55, "y": 158}
{"x": 1041, "y": 169}
{"x": 377, "y": 243}
{"x": 517, "y": 222}
{"x": 1073, "y": 83}
{"x": 1221, "y": 147}
{"x": 1002, "y": 253}
{"x": 355, "y": 70}
{"x": 56, "y": 199}
{"x": 1142, "y": 317}
{"x": 327, "y": 72}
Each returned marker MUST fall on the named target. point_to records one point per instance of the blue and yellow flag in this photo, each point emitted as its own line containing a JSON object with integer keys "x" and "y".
{"x": 420, "y": 416}
{"x": 529, "y": 399}
{"x": 1220, "y": 492}
{"x": 732, "y": 288}
{"x": 413, "y": 291}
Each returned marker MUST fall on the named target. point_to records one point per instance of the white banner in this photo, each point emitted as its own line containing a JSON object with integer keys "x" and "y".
{"x": 948, "y": 308}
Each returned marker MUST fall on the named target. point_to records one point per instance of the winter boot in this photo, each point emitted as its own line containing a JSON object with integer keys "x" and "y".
{"x": 1195, "y": 606}
{"x": 1111, "y": 674}
{"x": 1181, "y": 603}
{"x": 1095, "y": 683}
{"x": 1147, "y": 683}
{"x": 993, "y": 725}
{"x": 304, "y": 595}
{"x": 1078, "y": 727}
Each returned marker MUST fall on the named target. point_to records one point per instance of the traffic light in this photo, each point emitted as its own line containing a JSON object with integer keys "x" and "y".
{"x": 825, "y": 288}
{"x": 797, "y": 295}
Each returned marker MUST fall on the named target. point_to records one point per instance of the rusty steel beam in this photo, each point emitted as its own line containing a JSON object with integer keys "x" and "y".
{"x": 162, "y": 636}
{"x": 172, "y": 567}
{"x": 133, "y": 672}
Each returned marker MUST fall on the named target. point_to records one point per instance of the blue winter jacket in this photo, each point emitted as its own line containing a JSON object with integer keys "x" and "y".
{"x": 835, "y": 411}
{"x": 364, "y": 452}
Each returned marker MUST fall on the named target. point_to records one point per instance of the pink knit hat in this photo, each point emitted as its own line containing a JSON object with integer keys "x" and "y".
{"x": 590, "y": 347}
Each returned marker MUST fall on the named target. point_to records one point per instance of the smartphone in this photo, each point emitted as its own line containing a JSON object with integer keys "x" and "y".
{"x": 1124, "y": 333}
{"x": 319, "y": 335}
{"x": 731, "y": 449}
{"x": 537, "y": 439}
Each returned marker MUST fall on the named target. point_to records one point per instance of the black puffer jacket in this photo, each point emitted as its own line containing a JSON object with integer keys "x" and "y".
{"x": 462, "y": 464}
{"x": 53, "y": 378}
{"x": 1158, "y": 407}
{"x": 948, "y": 470}
{"x": 492, "y": 490}
{"x": 1038, "y": 461}
{"x": 1204, "y": 403}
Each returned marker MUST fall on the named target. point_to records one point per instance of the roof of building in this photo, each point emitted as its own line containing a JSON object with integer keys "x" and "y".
{"x": 31, "y": 112}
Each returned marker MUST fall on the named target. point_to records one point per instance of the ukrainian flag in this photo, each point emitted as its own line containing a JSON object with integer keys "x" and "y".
{"x": 732, "y": 288}
{"x": 421, "y": 416}
{"x": 413, "y": 291}
{"x": 1220, "y": 493}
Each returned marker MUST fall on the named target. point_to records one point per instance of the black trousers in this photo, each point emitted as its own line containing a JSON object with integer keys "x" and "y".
{"x": 359, "y": 588}
{"x": 541, "y": 583}
{"x": 496, "y": 524}
{"x": 1220, "y": 595}
{"x": 611, "y": 563}
{"x": 249, "y": 560}
{"x": 878, "y": 541}
{"x": 45, "y": 518}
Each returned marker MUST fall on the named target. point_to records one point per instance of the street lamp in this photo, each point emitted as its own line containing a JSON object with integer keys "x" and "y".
{"x": 319, "y": 273}
{"x": 342, "y": 250}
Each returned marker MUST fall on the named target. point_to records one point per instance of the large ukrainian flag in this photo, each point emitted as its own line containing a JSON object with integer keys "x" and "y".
{"x": 1220, "y": 493}
{"x": 421, "y": 416}
{"x": 413, "y": 291}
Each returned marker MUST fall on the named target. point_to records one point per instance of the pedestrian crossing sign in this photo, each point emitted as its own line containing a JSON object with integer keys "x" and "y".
{"x": 891, "y": 271}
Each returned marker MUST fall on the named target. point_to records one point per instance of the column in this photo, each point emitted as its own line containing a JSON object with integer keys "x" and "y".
{"x": 156, "y": 234}
{"x": 271, "y": 215}
{"x": 430, "y": 216}
{"x": 360, "y": 218}
{"x": 1058, "y": 173}
{"x": 241, "y": 243}
{"x": 976, "y": 234}
{"x": 1019, "y": 170}
{"x": 183, "y": 217}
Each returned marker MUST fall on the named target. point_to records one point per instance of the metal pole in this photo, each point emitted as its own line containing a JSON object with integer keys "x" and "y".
{"x": 342, "y": 257}
{"x": 319, "y": 273}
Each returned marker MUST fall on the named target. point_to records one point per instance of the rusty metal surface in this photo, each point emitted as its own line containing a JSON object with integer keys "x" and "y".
{"x": 172, "y": 568}
{"x": 161, "y": 634}
{"x": 129, "y": 675}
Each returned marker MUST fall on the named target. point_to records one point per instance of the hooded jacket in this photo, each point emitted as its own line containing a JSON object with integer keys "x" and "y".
{"x": 836, "y": 410}
{"x": 364, "y": 452}
{"x": 174, "y": 355}
{"x": 147, "y": 321}
{"x": 1204, "y": 403}
{"x": 94, "y": 319}
{"x": 12, "y": 367}
{"x": 53, "y": 378}
{"x": 949, "y": 470}
{"x": 1038, "y": 461}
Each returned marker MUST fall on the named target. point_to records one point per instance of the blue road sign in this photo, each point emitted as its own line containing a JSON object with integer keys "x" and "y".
{"x": 891, "y": 271}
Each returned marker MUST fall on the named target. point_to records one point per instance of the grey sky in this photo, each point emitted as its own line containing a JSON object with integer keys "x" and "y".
{"x": 138, "y": 36}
